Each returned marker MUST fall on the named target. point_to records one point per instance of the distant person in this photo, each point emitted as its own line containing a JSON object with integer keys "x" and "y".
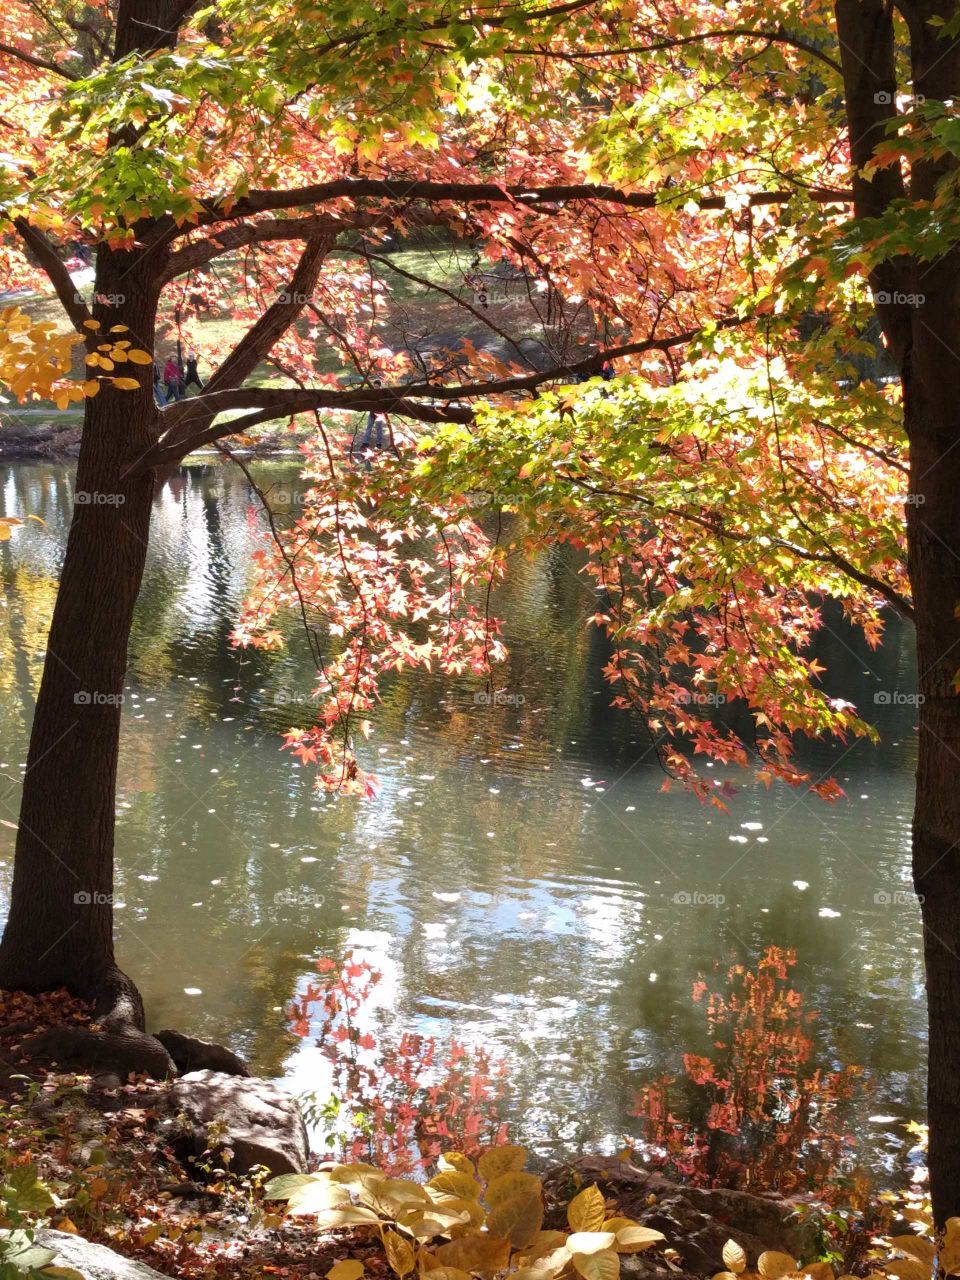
{"x": 607, "y": 371}
{"x": 173, "y": 380}
{"x": 374, "y": 423}
{"x": 190, "y": 375}
{"x": 159, "y": 393}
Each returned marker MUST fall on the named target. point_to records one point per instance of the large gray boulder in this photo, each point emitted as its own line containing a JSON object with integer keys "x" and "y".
{"x": 95, "y": 1261}
{"x": 256, "y": 1119}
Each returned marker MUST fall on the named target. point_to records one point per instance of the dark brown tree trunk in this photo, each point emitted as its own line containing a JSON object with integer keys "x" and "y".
{"x": 934, "y": 537}
{"x": 60, "y": 928}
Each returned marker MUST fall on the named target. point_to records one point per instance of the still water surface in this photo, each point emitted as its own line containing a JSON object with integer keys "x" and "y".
{"x": 521, "y": 881}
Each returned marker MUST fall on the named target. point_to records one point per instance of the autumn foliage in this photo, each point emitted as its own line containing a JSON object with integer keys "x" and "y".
{"x": 394, "y": 1103}
{"x": 768, "y": 1118}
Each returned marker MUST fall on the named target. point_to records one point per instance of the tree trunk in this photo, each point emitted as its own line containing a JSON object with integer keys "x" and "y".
{"x": 60, "y": 928}
{"x": 933, "y": 516}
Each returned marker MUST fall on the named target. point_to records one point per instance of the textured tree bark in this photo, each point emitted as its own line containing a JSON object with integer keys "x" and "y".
{"x": 934, "y": 538}
{"x": 60, "y": 928}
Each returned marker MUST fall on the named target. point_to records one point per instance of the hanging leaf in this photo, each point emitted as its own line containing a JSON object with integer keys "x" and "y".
{"x": 399, "y": 1253}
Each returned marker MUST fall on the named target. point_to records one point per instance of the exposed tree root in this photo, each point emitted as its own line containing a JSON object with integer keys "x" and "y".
{"x": 115, "y": 1040}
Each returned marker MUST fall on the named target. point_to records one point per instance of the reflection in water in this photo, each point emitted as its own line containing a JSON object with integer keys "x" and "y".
{"x": 521, "y": 882}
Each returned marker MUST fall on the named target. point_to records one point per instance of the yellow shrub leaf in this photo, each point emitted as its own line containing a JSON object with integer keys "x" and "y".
{"x": 348, "y": 1216}
{"x": 475, "y": 1253}
{"x": 399, "y": 1253}
{"x": 139, "y": 357}
{"x": 907, "y": 1269}
{"x": 734, "y": 1257}
{"x": 499, "y": 1160}
{"x": 519, "y": 1219}
{"x": 124, "y": 384}
{"x": 457, "y": 1162}
{"x": 598, "y": 1266}
{"x": 586, "y": 1211}
{"x": 91, "y": 324}
{"x": 122, "y": 328}
{"x": 633, "y": 1237}
{"x": 350, "y": 1174}
{"x": 454, "y": 1183}
{"x": 346, "y": 1269}
{"x": 514, "y": 1183}
{"x": 915, "y": 1247}
{"x": 312, "y": 1197}
{"x": 458, "y": 1204}
{"x": 591, "y": 1241}
{"x": 91, "y": 386}
{"x": 773, "y": 1265}
{"x": 818, "y": 1270}
{"x": 390, "y": 1196}
{"x": 427, "y": 1224}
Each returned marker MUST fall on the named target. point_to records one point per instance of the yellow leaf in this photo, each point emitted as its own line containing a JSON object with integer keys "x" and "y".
{"x": 399, "y": 1252}
{"x": 591, "y": 1241}
{"x": 519, "y": 1219}
{"x": 456, "y": 1161}
{"x": 348, "y": 1216}
{"x": 91, "y": 324}
{"x": 597, "y": 1266}
{"x": 91, "y": 386}
{"x": 543, "y": 1242}
{"x": 139, "y": 357}
{"x": 915, "y": 1247}
{"x": 633, "y": 1237}
{"x": 391, "y": 1196}
{"x": 350, "y": 1174}
{"x": 499, "y": 1160}
{"x": 818, "y": 1270}
{"x": 125, "y": 384}
{"x": 734, "y": 1257}
{"x": 454, "y": 1183}
{"x": 773, "y": 1265}
{"x": 475, "y": 1253}
{"x": 122, "y": 328}
{"x": 508, "y": 1185}
{"x": 346, "y": 1269}
{"x": 907, "y": 1269}
{"x": 586, "y": 1211}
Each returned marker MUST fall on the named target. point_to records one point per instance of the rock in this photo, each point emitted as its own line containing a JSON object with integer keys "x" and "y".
{"x": 698, "y": 1222}
{"x": 260, "y": 1122}
{"x": 200, "y": 1055}
{"x": 95, "y": 1261}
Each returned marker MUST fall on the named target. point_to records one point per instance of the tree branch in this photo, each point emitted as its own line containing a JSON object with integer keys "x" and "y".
{"x": 57, "y": 273}
{"x": 33, "y": 61}
{"x": 260, "y": 201}
{"x": 237, "y": 236}
{"x": 190, "y": 422}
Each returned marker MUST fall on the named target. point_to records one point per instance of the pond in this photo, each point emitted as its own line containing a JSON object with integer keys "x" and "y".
{"x": 521, "y": 882}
